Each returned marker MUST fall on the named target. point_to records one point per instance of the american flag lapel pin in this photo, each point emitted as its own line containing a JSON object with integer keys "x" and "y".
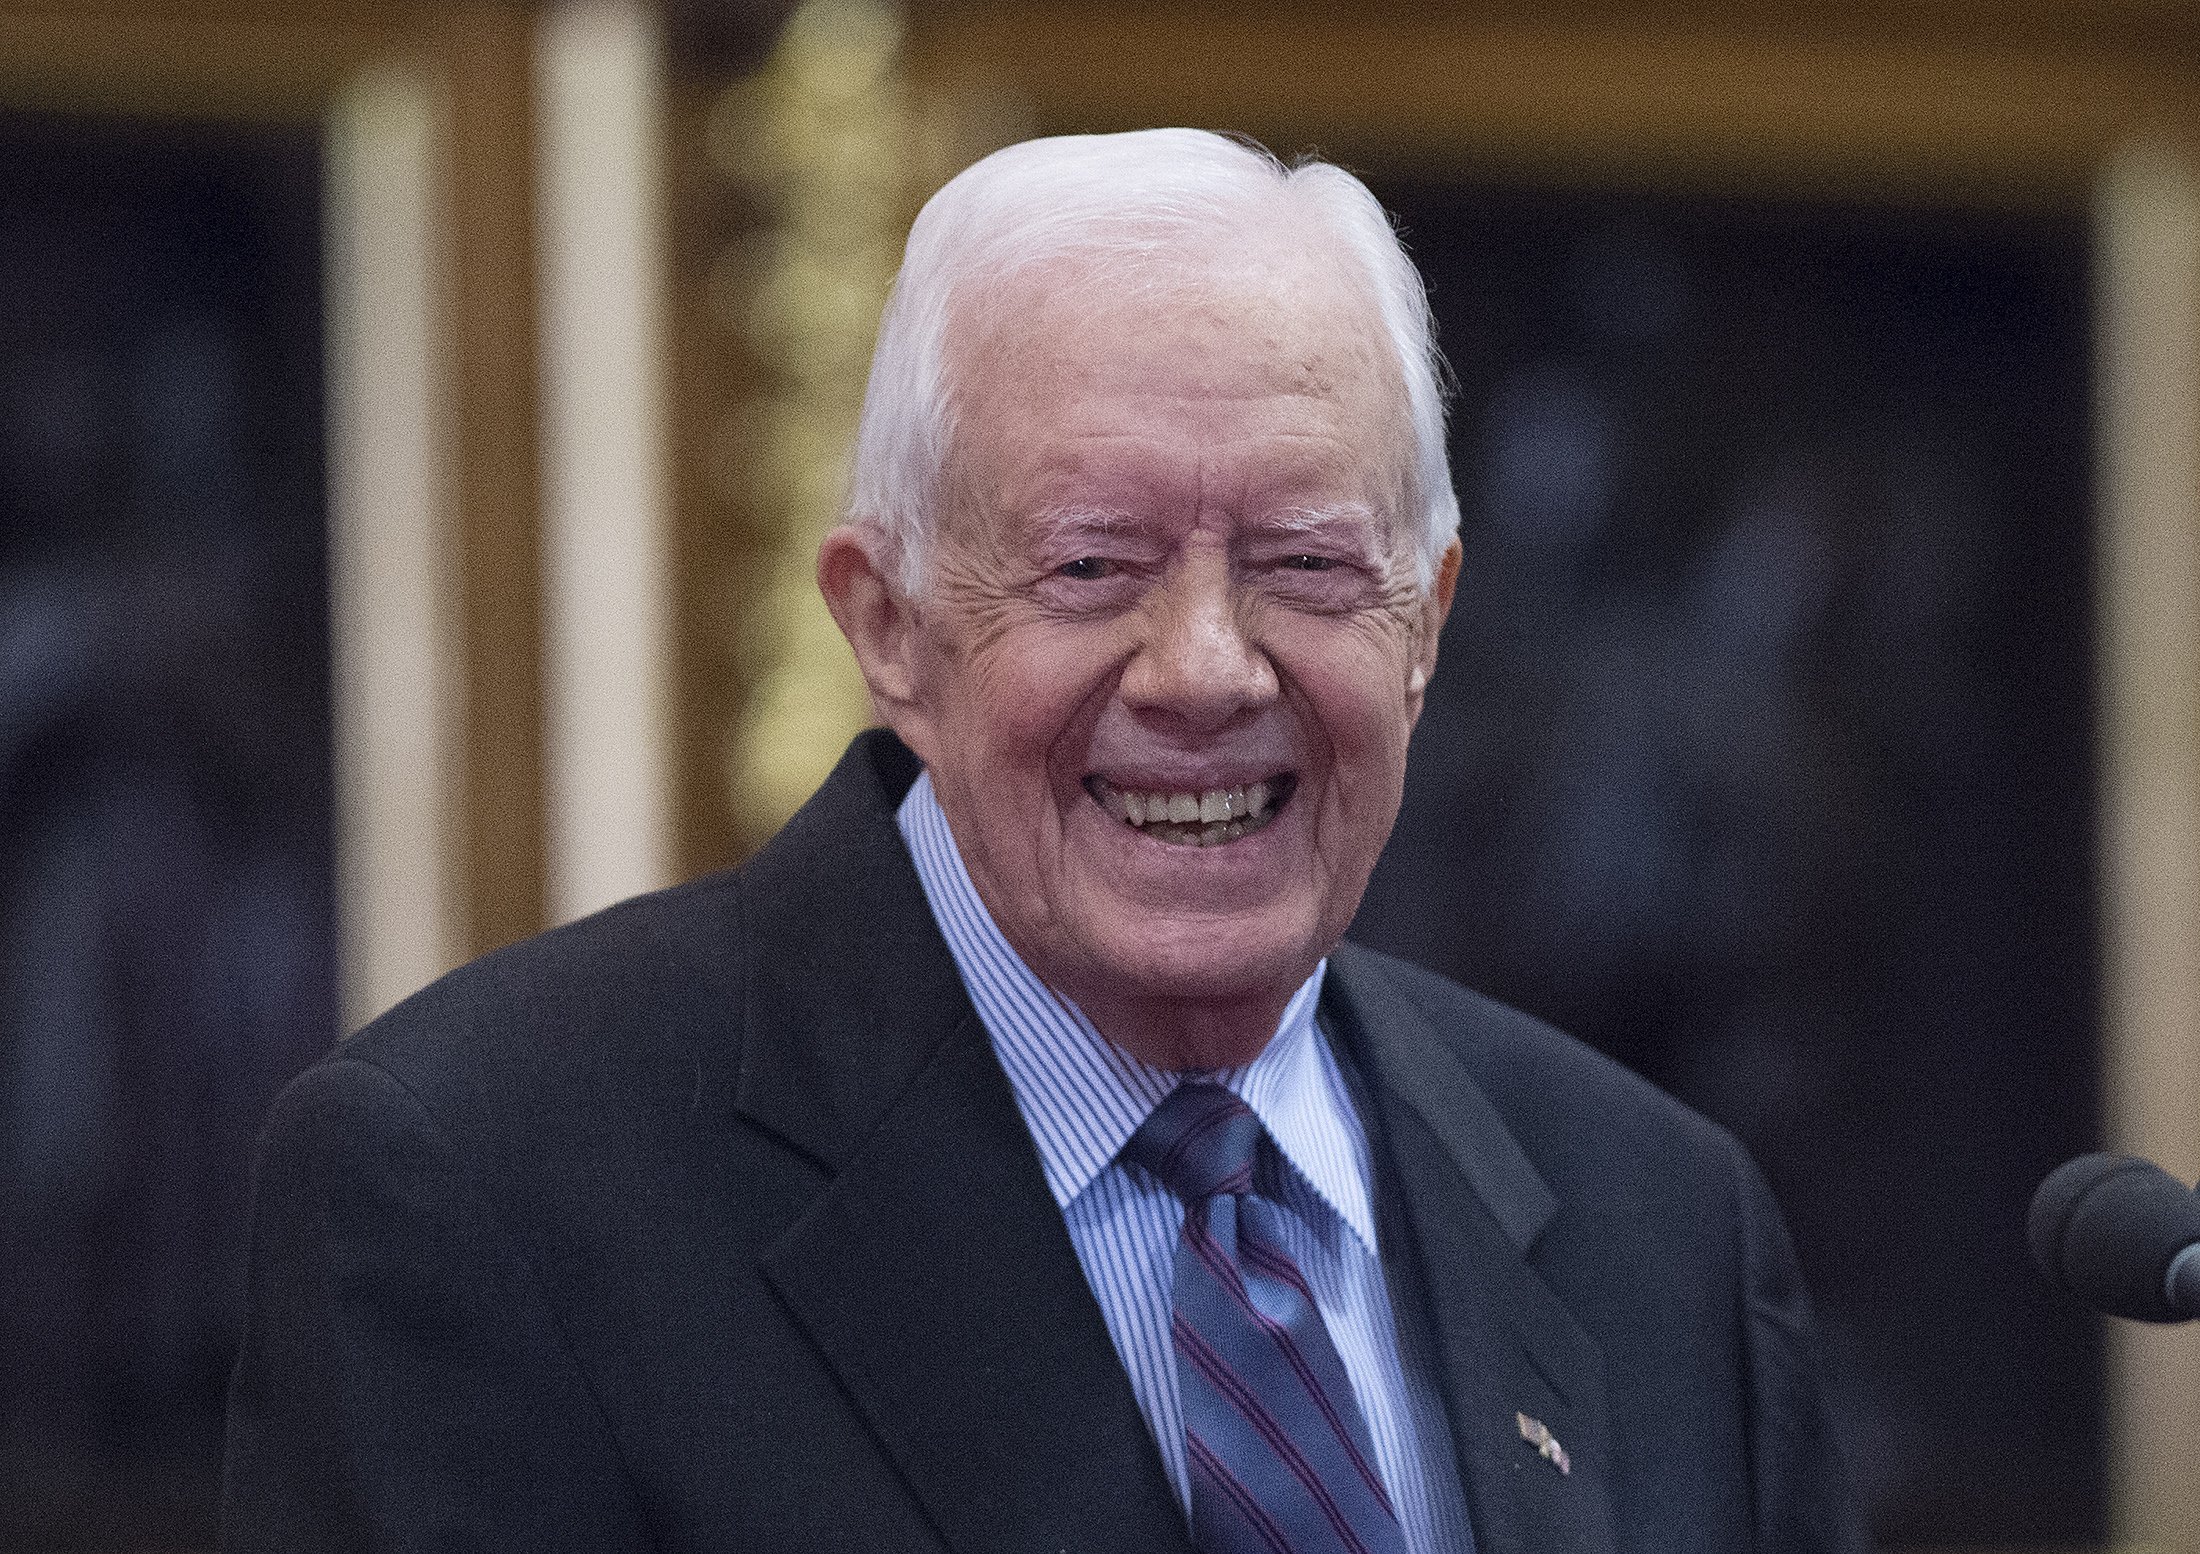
{"x": 1538, "y": 1434}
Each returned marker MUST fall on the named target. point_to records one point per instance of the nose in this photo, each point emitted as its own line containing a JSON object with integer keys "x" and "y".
{"x": 1196, "y": 662}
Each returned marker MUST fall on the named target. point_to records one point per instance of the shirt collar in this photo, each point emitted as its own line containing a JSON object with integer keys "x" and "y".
{"x": 1081, "y": 1096}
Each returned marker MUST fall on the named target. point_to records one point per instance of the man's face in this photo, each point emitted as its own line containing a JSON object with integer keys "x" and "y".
{"x": 1173, "y": 581}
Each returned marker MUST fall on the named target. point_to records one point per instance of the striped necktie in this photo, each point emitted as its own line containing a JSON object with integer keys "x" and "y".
{"x": 1280, "y": 1457}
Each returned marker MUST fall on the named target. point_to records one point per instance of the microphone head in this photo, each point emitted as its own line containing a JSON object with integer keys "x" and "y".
{"x": 2106, "y": 1228}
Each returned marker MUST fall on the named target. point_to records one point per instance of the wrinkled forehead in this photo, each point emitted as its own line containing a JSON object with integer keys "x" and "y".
{"x": 1205, "y": 325}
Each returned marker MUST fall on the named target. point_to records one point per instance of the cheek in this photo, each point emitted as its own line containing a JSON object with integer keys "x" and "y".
{"x": 1354, "y": 680}
{"x": 1023, "y": 697}
{"x": 1358, "y": 705}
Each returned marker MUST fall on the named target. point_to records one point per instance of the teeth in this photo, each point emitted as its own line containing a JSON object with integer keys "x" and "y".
{"x": 1204, "y": 819}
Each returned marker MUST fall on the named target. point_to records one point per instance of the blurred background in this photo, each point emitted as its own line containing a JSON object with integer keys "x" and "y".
{"x": 416, "y": 423}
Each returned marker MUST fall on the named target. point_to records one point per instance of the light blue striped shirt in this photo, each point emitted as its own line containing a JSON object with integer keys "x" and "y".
{"x": 1083, "y": 1098}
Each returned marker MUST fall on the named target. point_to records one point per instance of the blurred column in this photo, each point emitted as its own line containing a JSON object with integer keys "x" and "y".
{"x": 394, "y": 644}
{"x": 599, "y": 89}
{"x": 488, "y": 57}
{"x": 824, "y": 142}
{"x": 2148, "y": 569}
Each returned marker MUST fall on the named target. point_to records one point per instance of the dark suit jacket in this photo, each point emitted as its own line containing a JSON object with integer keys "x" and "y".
{"x": 710, "y": 1223}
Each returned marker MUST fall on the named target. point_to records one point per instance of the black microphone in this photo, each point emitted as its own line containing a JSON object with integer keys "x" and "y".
{"x": 2122, "y": 1235}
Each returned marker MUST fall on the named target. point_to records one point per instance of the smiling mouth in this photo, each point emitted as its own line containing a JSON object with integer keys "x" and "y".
{"x": 1205, "y": 819}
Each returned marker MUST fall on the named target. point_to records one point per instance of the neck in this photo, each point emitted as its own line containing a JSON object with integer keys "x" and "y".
{"x": 1183, "y": 1034}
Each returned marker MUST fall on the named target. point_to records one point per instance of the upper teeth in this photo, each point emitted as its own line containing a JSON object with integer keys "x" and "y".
{"x": 1215, "y": 804}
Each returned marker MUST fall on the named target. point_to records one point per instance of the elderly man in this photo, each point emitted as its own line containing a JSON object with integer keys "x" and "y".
{"x": 1011, "y": 1157}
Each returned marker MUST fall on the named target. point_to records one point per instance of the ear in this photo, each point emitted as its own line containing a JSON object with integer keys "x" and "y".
{"x": 881, "y": 625}
{"x": 1435, "y": 610}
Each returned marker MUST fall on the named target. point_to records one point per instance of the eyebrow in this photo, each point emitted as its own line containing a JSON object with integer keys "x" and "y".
{"x": 1065, "y": 525}
{"x": 1055, "y": 524}
{"x": 1352, "y": 523}
{"x": 1309, "y": 520}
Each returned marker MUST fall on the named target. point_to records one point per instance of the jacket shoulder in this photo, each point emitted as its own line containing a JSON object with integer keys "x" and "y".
{"x": 632, "y": 1003}
{"x": 1573, "y": 1109}
{"x": 1525, "y": 1062}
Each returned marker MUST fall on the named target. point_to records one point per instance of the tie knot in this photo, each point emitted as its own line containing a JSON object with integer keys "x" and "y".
{"x": 1200, "y": 1142}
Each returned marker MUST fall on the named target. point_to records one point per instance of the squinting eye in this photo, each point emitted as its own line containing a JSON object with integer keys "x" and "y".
{"x": 1085, "y": 568}
{"x": 1309, "y": 563}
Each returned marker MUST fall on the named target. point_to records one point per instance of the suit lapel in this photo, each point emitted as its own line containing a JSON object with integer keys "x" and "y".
{"x": 1505, "y": 1347}
{"x": 933, "y": 1273}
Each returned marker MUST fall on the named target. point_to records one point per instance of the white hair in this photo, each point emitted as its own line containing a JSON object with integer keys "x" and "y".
{"x": 1122, "y": 197}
